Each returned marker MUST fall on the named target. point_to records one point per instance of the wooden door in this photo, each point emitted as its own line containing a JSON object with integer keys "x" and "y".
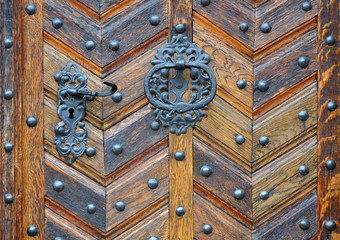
{"x": 263, "y": 164}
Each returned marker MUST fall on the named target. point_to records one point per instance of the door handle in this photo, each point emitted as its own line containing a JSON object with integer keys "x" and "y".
{"x": 71, "y": 132}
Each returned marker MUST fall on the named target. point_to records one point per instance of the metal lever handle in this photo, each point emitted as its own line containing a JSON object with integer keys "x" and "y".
{"x": 74, "y": 92}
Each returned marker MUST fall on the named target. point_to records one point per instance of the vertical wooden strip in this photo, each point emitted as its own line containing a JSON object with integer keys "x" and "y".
{"x": 328, "y": 130}
{"x": 181, "y": 172}
{"x": 32, "y": 105}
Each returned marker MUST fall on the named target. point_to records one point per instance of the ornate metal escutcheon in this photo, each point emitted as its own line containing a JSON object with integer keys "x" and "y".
{"x": 180, "y": 85}
{"x": 71, "y": 132}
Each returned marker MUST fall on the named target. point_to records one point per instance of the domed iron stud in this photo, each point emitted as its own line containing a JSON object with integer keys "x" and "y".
{"x": 330, "y": 40}
{"x": 264, "y": 140}
{"x": 58, "y": 186}
{"x": 332, "y": 105}
{"x": 303, "y": 170}
{"x": 241, "y": 84}
{"x": 330, "y": 225}
{"x": 306, "y": 6}
{"x": 180, "y": 28}
{"x": 91, "y": 208}
{"x": 90, "y": 45}
{"x": 57, "y": 23}
{"x": 30, "y": 9}
{"x": 243, "y": 27}
{"x": 154, "y": 20}
{"x": 117, "y": 149}
{"x": 303, "y": 116}
{"x": 265, "y": 27}
{"x": 303, "y": 61}
{"x": 153, "y": 183}
{"x": 262, "y": 85}
{"x": 180, "y": 211}
{"x": 9, "y": 198}
{"x": 239, "y": 139}
{"x": 31, "y": 121}
{"x": 264, "y": 195}
{"x": 205, "y": 3}
{"x": 179, "y": 156}
{"x": 330, "y": 164}
{"x": 32, "y": 231}
{"x": 120, "y": 206}
{"x": 206, "y": 171}
{"x": 8, "y": 94}
{"x": 90, "y": 151}
{"x": 238, "y": 194}
{"x": 304, "y": 224}
{"x": 207, "y": 229}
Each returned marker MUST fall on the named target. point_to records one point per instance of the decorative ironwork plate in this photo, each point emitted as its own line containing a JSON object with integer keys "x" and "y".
{"x": 178, "y": 102}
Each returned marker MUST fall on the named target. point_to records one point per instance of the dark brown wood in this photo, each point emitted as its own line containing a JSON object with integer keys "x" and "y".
{"x": 328, "y": 131}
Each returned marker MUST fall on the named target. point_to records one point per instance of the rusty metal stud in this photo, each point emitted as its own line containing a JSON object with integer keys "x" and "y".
{"x": 153, "y": 238}
{"x": 179, "y": 155}
{"x": 117, "y": 149}
{"x": 8, "y": 43}
{"x": 243, "y": 27}
{"x": 30, "y": 9}
{"x": 154, "y": 20}
{"x": 264, "y": 195}
{"x": 207, "y": 229}
{"x": 8, "y": 94}
{"x": 265, "y": 27}
{"x": 9, "y": 198}
{"x": 239, "y": 139}
{"x": 330, "y": 225}
{"x": 90, "y": 45}
{"x": 306, "y": 6}
{"x": 58, "y": 186}
{"x": 32, "y": 231}
{"x": 264, "y": 140}
{"x": 241, "y": 84}
{"x": 90, "y": 151}
{"x": 304, "y": 224}
{"x": 330, "y": 164}
{"x": 262, "y": 85}
{"x": 180, "y": 28}
{"x": 57, "y": 23}
{"x": 91, "y": 208}
{"x": 117, "y": 97}
{"x": 330, "y": 40}
{"x": 303, "y": 170}
{"x": 114, "y": 45}
{"x": 120, "y": 206}
{"x": 238, "y": 194}
{"x": 332, "y": 105}
{"x": 180, "y": 211}
{"x": 153, "y": 183}
{"x": 205, "y": 3}
{"x": 8, "y": 147}
{"x": 303, "y": 61}
{"x": 303, "y": 116}
{"x": 31, "y": 121}
{"x": 206, "y": 171}
{"x": 155, "y": 125}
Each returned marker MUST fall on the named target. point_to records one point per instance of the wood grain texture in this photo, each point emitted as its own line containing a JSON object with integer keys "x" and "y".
{"x": 32, "y": 145}
{"x": 329, "y": 130}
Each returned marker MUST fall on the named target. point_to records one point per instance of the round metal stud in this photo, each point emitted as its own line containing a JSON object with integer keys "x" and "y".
{"x": 207, "y": 229}
{"x": 155, "y": 125}
{"x": 90, "y": 45}
{"x": 153, "y": 183}
{"x": 154, "y": 20}
{"x": 238, "y": 194}
{"x": 153, "y": 238}
{"x": 241, "y": 84}
{"x": 32, "y": 231}
{"x": 91, "y": 208}
{"x": 264, "y": 140}
{"x": 304, "y": 224}
{"x": 58, "y": 238}
{"x": 303, "y": 116}
{"x": 180, "y": 28}
{"x": 264, "y": 195}
{"x": 205, "y": 3}
{"x": 114, "y": 45}
{"x": 8, "y": 147}
{"x": 179, "y": 156}
{"x": 120, "y": 206}
{"x": 265, "y": 27}
{"x": 239, "y": 139}
{"x": 206, "y": 171}
{"x": 243, "y": 27}
{"x": 9, "y": 198}
{"x": 117, "y": 149}
{"x": 30, "y": 9}
{"x": 31, "y": 121}
{"x": 90, "y": 151}
{"x": 57, "y": 23}
{"x": 306, "y": 6}
{"x": 303, "y": 61}
{"x": 332, "y": 105}
{"x": 8, "y": 94}
{"x": 8, "y": 43}
{"x": 262, "y": 85}
{"x": 303, "y": 170}
{"x": 117, "y": 97}
{"x": 180, "y": 211}
{"x": 330, "y": 40}
{"x": 58, "y": 186}
{"x": 330, "y": 225}
{"x": 330, "y": 164}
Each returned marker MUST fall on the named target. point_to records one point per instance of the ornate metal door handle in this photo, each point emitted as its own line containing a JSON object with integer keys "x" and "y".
{"x": 166, "y": 90}
{"x": 71, "y": 133}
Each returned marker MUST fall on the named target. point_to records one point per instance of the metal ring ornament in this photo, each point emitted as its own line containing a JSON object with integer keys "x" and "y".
{"x": 180, "y": 55}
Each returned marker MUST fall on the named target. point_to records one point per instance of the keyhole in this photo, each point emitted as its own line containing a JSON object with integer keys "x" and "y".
{"x": 71, "y": 111}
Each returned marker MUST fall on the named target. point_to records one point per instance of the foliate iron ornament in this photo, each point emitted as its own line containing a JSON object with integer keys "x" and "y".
{"x": 165, "y": 89}
{"x": 71, "y": 132}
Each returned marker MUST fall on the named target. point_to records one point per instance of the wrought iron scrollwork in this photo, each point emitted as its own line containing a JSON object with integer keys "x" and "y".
{"x": 71, "y": 132}
{"x": 178, "y": 102}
